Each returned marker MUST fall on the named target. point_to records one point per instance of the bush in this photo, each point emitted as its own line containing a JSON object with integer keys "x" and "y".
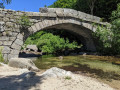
{"x": 109, "y": 37}
{"x": 50, "y": 43}
{"x": 105, "y": 36}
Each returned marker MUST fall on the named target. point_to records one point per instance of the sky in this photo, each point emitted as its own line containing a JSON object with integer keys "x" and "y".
{"x": 28, "y": 5}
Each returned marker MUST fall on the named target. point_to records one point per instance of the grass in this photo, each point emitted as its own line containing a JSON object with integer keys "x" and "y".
{"x": 1, "y": 56}
{"x": 68, "y": 78}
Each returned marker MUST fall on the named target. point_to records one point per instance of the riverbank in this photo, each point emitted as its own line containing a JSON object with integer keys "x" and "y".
{"x": 14, "y": 78}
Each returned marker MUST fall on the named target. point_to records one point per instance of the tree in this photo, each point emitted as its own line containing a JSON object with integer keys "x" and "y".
{"x": 109, "y": 37}
{"x": 63, "y": 4}
{"x": 4, "y": 2}
{"x": 91, "y": 4}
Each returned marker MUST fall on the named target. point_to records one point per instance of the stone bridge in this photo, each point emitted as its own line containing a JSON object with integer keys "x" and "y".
{"x": 12, "y": 37}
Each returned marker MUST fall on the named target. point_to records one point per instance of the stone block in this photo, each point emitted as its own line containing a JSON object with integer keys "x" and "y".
{"x": 74, "y": 12}
{"x": 66, "y": 10}
{"x": 12, "y": 56}
{"x": 9, "y": 33}
{"x": 12, "y": 38}
{"x": 97, "y": 19}
{"x": 1, "y": 15}
{"x": 4, "y": 38}
{"x": 14, "y": 34}
{"x": 36, "y": 14}
{"x": 15, "y": 52}
{"x": 6, "y": 19}
{"x": 52, "y": 15}
{"x": 30, "y": 30}
{"x": 59, "y": 12}
{"x": 43, "y": 10}
{"x": 5, "y": 56}
{"x": 1, "y": 43}
{"x": 20, "y": 36}
{"x": 16, "y": 46}
{"x": 34, "y": 28}
{"x": 6, "y": 50}
{"x": 43, "y": 14}
{"x": 33, "y": 20}
{"x": 37, "y": 26}
{"x": 9, "y": 24}
{"x": 51, "y": 10}
{"x": 89, "y": 17}
{"x": 7, "y": 43}
{"x": 41, "y": 25}
{"x": 81, "y": 15}
{"x": 2, "y": 26}
{"x": 19, "y": 42}
{"x": 46, "y": 23}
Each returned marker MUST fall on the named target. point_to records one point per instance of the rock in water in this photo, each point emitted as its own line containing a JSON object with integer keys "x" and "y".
{"x": 22, "y": 63}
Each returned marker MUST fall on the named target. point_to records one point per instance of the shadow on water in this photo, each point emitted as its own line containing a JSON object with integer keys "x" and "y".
{"x": 85, "y": 69}
{"x": 28, "y": 55}
{"x": 15, "y": 82}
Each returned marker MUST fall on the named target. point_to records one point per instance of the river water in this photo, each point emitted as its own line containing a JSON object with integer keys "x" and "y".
{"x": 103, "y": 67}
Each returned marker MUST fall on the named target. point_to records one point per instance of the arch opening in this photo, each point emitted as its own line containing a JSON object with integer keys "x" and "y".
{"x": 80, "y": 34}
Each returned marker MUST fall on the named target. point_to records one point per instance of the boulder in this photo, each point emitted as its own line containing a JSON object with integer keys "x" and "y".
{"x": 22, "y": 63}
{"x": 56, "y": 72}
{"x": 32, "y": 48}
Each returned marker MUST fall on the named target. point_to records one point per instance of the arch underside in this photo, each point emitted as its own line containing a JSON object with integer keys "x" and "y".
{"x": 83, "y": 34}
{"x": 82, "y": 29}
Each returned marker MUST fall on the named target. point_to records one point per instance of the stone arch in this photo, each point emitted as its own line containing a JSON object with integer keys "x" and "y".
{"x": 80, "y": 28}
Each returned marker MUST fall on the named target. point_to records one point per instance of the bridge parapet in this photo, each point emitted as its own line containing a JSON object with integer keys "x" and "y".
{"x": 65, "y": 12}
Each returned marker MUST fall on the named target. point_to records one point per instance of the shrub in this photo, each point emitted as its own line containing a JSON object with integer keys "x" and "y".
{"x": 105, "y": 36}
{"x": 50, "y": 43}
{"x": 109, "y": 37}
{"x": 24, "y": 21}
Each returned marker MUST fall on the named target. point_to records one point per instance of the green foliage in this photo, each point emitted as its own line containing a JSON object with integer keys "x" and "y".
{"x": 63, "y": 4}
{"x": 49, "y": 43}
{"x": 4, "y": 1}
{"x": 7, "y": 1}
{"x": 105, "y": 36}
{"x": 24, "y": 21}
{"x": 1, "y": 57}
{"x": 109, "y": 37}
{"x": 2, "y": 5}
